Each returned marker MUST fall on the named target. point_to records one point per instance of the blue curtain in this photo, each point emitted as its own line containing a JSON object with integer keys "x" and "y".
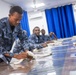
{"x": 61, "y": 21}
{"x": 24, "y": 23}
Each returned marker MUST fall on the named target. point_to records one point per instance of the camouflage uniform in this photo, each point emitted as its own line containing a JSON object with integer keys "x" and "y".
{"x": 36, "y": 41}
{"x": 45, "y": 38}
{"x": 7, "y": 37}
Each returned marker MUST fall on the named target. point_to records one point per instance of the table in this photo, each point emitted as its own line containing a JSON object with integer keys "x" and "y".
{"x": 45, "y": 65}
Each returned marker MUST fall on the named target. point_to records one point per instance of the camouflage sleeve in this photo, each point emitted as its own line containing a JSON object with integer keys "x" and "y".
{"x": 1, "y": 39}
{"x": 3, "y": 45}
{"x": 23, "y": 38}
{"x": 34, "y": 45}
{"x": 17, "y": 47}
{"x": 48, "y": 38}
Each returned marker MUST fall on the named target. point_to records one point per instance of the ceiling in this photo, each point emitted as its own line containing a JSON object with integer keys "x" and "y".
{"x": 26, "y": 4}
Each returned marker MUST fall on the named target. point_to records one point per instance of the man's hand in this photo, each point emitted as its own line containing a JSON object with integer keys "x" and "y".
{"x": 22, "y": 55}
{"x": 27, "y": 54}
{"x": 18, "y": 56}
{"x": 44, "y": 44}
{"x": 30, "y": 55}
{"x": 49, "y": 42}
{"x": 51, "y": 33}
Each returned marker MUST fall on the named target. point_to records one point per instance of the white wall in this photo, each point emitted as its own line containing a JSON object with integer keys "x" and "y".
{"x": 75, "y": 15}
{"x": 74, "y": 9}
{"x": 37, "y": 21}
{"x": 4, "y": 9}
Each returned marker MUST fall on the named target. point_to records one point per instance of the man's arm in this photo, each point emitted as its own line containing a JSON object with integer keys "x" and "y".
{"x": 22, "y": 35}
{"x": 53, "y": 34}
{"x": 38, "y": 46}
{"x": 17, "y": 51}
{"x": 22, "y": 55}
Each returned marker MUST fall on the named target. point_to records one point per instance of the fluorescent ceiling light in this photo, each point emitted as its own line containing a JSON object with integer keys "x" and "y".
{"x": 38, "y": 5}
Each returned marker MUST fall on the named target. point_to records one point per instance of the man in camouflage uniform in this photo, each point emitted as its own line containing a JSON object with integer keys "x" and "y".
{"x": 10, "y": 30}
{"x": 36, "y": 39}
{"x": 44, "y": 37}
{"x": 52, "y": 36}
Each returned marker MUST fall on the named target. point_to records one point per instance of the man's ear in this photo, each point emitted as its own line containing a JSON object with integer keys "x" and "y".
{"x": 9, "y": 15}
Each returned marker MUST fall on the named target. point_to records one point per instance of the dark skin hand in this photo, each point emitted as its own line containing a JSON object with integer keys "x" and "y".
{"x": 49, "y": 42}
{"x": 22, "y": 55}
{"x": 44, "y": 44}
{"x": 18, "y": 56}
{"x": 55, "y": 38}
